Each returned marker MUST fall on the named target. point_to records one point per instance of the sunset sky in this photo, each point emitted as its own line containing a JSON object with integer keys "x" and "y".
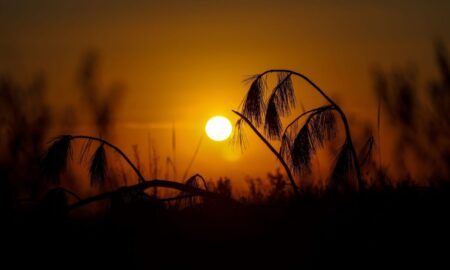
{"x": 183, "y": 62}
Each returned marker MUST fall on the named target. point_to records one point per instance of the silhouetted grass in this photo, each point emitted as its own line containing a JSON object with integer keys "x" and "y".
{"x": 262, "y": 107}
{"x": 208, "y": 224}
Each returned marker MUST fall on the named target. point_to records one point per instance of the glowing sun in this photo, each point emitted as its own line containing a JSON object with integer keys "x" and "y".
{"x": 218, "y": 128}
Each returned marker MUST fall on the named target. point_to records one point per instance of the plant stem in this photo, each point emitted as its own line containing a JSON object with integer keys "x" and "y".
{"x": 313, "y": 111}
{"x": 352, "y": 148}
{"x": 138, "y": 173}
{"x": 193, "y": 158}
{"x": 279, "y": 157}
{"x": 149, "y": 184}
{"x": 341, "y": 113}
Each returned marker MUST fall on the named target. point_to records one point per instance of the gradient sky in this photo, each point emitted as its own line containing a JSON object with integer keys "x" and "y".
{"x": 184, "y": 61}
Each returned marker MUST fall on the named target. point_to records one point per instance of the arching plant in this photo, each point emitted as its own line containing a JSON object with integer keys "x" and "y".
{"x": 55, "y": 159}
{"x": 262, "y": 110}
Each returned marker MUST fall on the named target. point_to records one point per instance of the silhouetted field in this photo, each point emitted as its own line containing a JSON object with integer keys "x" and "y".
{"x": 362, "y": 217}
{"x": 403, "y": 226}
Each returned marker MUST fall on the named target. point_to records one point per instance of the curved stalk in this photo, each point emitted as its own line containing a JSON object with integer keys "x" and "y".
{"x": 341, "y": 114}
{"x": 193, "y": 159}
{"x": 312, "y": 111}
{"x": 303, "y": 77}
{"x": 275, "y": 152}
{"x": 70, "y": 193}
{"x": 352, "y": 148}
{"x": 135, "y": 169}
{"x": 149, "y": 184}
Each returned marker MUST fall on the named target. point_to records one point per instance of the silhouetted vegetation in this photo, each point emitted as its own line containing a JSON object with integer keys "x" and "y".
{"x": 25, "y": 119}
{"x": 420, "y": 117}
{"x": 298, "y": 141}
{"x": 162, "y": 223}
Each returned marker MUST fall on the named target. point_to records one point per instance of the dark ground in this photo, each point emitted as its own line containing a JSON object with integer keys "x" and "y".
{"x": 404, "y": 227}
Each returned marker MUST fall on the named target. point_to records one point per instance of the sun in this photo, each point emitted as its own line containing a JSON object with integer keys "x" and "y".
{"x": 218, "y": 128}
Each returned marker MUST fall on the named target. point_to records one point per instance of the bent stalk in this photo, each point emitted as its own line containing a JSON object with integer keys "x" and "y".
{"x": 272, "y": 149}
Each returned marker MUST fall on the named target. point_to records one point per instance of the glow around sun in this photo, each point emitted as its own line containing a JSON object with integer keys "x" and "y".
{"x": 218, "y": 128}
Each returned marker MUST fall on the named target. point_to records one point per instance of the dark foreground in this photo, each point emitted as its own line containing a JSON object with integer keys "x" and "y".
{"x": 391, "y": 228}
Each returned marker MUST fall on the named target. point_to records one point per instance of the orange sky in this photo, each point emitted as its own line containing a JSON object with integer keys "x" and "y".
{"x": 184, "y": 61}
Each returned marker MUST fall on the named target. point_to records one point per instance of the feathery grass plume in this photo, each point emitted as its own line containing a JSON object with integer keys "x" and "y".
{"x": 319, "y": 127}
{"x": 322, "y": 125}
{"x": 286, "y": 148}
{"x": 285, "y": 93}
{"x": 239, "y": 138}
{"x": 301, "y": 151}
{"x": 272, "y": 123}
{"x": 97, "y": 169}
{"x": 366, "y": 152}
{"x": 343, "y": 166}
{"x": 54, "y": 160}
{"x": 279, "y": 104}
{"x": 253, "y": 106}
